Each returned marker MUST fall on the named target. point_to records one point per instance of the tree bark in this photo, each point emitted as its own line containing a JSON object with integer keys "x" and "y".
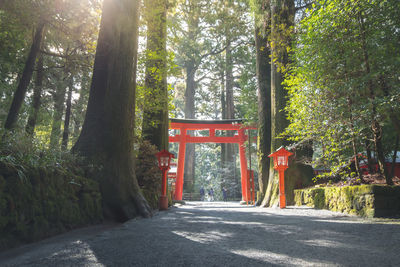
{"x": 65, "y": 136}
{"x": 155, "y": 117}
{"x": 37, "y": 94}
{"x": 263, "y": 71}
{"x": 107, "y": 137}
{"x": 79, "y": 108}
{"x": 23, "y": 84}
{"x": 59, "y": 99}
{"x": 228, "y": 157}
{"x": 189, "y": 111}
{"x": 282, "y": 15}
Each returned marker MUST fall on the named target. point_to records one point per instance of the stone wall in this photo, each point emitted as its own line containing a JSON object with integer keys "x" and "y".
{"x": 362, "y": 200}
{"x": 39, "y": 202}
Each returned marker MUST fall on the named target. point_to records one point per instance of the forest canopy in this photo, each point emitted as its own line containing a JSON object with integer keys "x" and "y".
{"x": 101, "y": 78}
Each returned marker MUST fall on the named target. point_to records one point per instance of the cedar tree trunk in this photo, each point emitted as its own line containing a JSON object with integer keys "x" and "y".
{"x": 59, "y": 99}
{"x": 107, "y": 137}
{"x": 37, "y": 94}
{"x": 282, "y": 16}
{"x": 20, "y": 93}
{"x": 155, "y": 117}
{"x": 65, "y": 136}
{"x": 189, "y": 114}
{"x": 264, "y": 106}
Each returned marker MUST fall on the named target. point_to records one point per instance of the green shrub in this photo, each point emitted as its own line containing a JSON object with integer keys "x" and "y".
{"x": 148, "y": 174}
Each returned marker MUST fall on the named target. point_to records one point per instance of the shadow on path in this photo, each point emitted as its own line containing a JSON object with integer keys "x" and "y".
{"x": 218, "y": 234}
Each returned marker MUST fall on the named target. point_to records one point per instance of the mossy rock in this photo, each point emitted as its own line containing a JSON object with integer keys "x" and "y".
{"x": 363, "y": 200}
{"x": 43, "y": 201}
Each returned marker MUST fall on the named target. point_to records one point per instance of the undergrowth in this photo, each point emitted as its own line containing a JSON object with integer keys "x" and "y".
{"x": 20, "y": 151}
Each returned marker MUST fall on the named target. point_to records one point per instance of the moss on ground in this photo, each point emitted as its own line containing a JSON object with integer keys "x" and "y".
{"x": 41, "y": 202}
{"x": 362, "y": 200}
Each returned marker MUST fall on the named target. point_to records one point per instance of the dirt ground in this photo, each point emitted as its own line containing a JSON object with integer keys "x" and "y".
{"x": 222, "y": 234}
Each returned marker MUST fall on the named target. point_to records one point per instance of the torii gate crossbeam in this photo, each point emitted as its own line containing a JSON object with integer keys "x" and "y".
{"x": 183, "y": 137}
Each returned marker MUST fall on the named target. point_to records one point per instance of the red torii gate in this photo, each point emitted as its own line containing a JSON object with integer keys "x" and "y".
{"x": 183, "y": 125}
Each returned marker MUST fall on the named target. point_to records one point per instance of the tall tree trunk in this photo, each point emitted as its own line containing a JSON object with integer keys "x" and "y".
{"x": 155, "y": 117}
{"x": 65, "y": 136}
{"x": 189, "y": 111}
{"x": 37, "y": 94}
{"x": 223, "y": 116}
{"x": 59, "y": 99}
{"x": 263, "y": 71}
{"x": 23, "y": 84}
{"x": 79, "y": 113}
{"x": 107, "y": 137}
{"x": 229, "y": 155}
{"x": 282, "y": 16}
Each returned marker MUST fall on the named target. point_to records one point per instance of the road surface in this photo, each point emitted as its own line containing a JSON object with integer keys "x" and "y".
{"x": 222, "y": 234}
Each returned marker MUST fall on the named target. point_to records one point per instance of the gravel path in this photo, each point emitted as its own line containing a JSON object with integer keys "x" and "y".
{"x": 222, "y": 234}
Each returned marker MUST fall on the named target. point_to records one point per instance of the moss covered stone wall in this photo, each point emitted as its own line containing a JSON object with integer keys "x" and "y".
{"x": 363, "y": 200}
{"x": 40, "y": 202}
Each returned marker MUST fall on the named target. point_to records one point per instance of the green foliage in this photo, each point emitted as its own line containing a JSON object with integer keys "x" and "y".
{"x": 70, "y": 42}
{"x": 148, "y": 174}
{"x": 247, "y": 101}
{"x": 18, "y": 150}
{"x": 199, "y": 38}
{"x": 42, "y": 192}
{"x": 329, "y": 84}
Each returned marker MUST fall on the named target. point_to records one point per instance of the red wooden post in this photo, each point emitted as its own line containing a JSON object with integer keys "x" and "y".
{"x": 243, "y": 163}
{"x": 281, "y": 163}
{"x": 248, "y": 193}
{"x": 164, "y": 183}
{"x": 181, "y": 165}
{"x": 282, "y": 195}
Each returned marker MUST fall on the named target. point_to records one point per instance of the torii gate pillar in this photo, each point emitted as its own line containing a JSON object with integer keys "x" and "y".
{"x": 181, "y": 166}
{"x": 243, "y": 163}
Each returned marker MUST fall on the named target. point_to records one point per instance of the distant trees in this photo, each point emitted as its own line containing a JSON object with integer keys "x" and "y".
{"x": 213, "y": 47}
{"x": 61, "y": 59}
{"x": 26, "y": 76}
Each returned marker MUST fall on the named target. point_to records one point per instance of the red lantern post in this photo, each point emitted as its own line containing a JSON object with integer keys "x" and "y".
{"x": 281, "y": 163}
{"x": 164, "y": 160}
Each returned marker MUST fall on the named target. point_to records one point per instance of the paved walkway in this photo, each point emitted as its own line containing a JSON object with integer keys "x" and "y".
{"x": 222, "y": 234}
